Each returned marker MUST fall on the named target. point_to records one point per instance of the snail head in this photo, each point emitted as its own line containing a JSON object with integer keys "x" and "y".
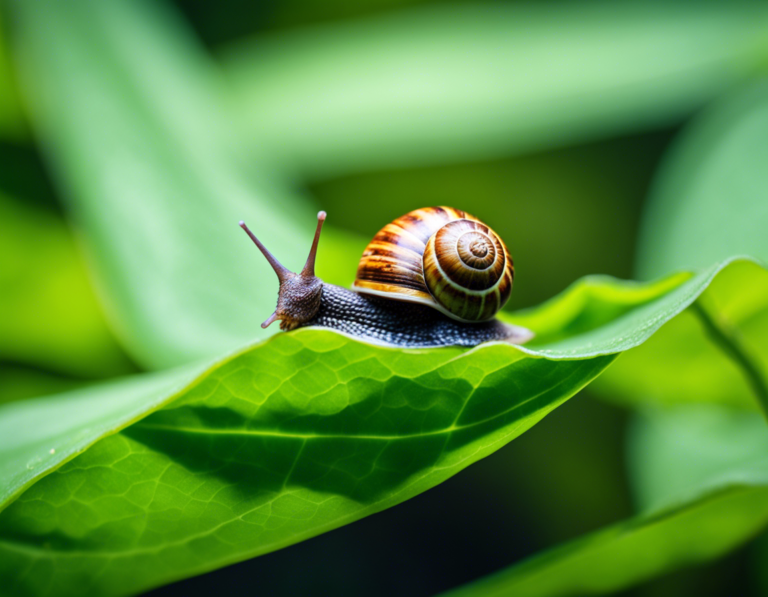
{"x": 299, "y": 297}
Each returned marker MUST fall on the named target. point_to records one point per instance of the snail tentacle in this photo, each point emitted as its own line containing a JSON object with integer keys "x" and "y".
{"x": 299, "y": 296}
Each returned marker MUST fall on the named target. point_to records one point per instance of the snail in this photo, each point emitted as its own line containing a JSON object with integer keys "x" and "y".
{"x": 433, "y": 277}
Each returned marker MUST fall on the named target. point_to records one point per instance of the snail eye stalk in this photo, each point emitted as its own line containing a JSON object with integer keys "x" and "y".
{"x": 309, "y": 267}
{"x": 300, "y": 294}
{"x": 282, "y": 272}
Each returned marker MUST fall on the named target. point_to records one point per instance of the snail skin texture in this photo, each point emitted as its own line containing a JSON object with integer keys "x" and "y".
{"x": 433, "y": 277}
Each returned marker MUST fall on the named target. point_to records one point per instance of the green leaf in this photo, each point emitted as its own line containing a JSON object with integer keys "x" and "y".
{"x": 602, "y": 315}
{"x": 161, "y": 477}
{"x": 292, "y": 438}
{"x": 50, "y": 315}
{"x": 450, "y": 83}
{"x": 39, "y": 435}
{"x": 682, "y": 363}
{"x": 704, "y": 473}
{"x": 131, "y": 114}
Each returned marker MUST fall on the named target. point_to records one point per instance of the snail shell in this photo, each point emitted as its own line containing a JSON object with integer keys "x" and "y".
{"x": 441, "y": 257}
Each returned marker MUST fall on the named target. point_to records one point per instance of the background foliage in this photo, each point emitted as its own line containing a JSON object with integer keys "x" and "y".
{"x": 623, "y": 139}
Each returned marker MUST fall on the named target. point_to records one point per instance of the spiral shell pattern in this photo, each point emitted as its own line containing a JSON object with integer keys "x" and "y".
{"x": 467, "y": 270}
{"x": 442, "y": 257}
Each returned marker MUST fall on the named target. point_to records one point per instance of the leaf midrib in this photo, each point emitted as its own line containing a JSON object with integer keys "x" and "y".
{"x": 352, "y": 436}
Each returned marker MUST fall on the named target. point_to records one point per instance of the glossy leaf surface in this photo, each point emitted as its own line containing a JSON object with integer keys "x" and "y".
{"x": 448, "y": 83}
{"x": 294, "y": 437}
{"x": 288, "y": 439}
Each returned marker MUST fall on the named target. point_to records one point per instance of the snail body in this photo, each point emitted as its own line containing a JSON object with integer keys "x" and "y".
{"x": 398, "y": 323}
{"x": 433, "y": 277}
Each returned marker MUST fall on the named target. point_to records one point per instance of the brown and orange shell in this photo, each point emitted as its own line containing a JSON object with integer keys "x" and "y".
{"x": 441, "y": 257}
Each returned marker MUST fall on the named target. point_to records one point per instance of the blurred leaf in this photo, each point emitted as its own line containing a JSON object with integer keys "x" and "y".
{"x": 130, "y": 112}
{"x": 703, "y": 478}
{"x": 680, "y": 452}
{"x": 49, "y": 314}
{"x": 286, "y": 440}
{"x": 452, "y": 83}
{"x": 644, "y": 547}
{"x": 11, "y": 119}
{"x": 711, "y": 200}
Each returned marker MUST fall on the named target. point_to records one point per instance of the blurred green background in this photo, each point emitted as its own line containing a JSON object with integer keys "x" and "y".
{"x": 550, "y": 121}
